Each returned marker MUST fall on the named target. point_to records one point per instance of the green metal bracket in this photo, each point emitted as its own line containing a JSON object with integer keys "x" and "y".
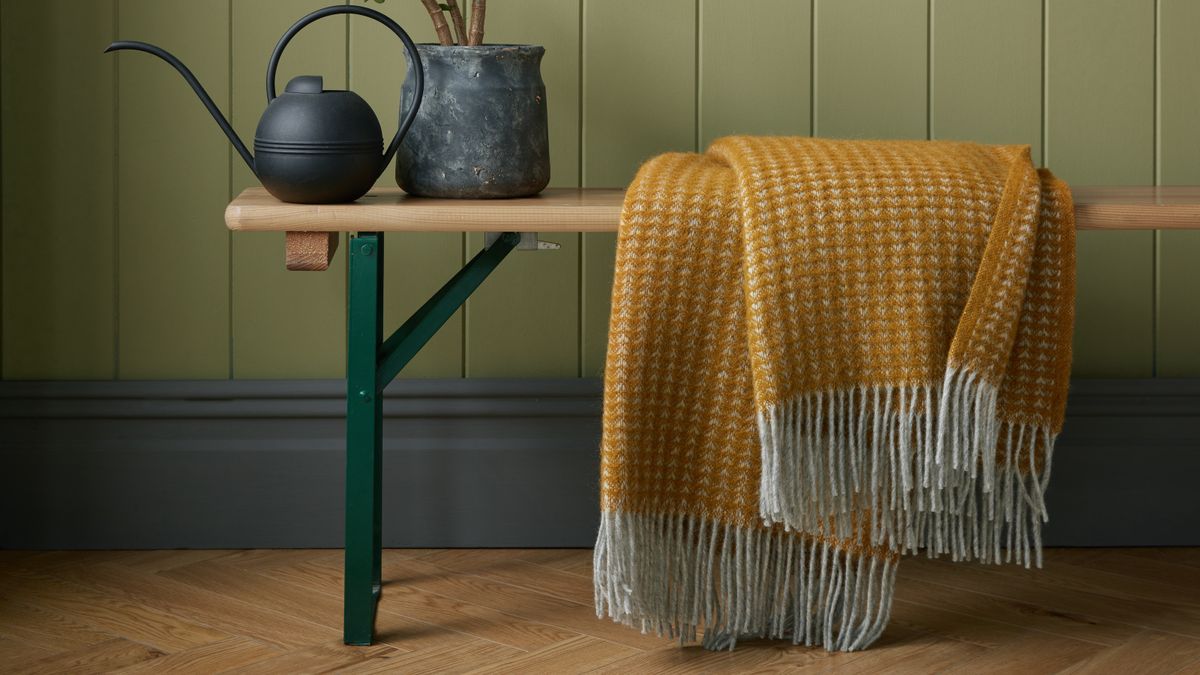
{"x": 370, "y": 366}
{"x": 410, "y": 337}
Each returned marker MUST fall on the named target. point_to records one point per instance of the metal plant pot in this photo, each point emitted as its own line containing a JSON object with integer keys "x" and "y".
{"x": 481, "y": 129}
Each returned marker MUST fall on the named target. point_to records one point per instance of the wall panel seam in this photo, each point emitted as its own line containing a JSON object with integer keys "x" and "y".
{"x": 229, "y": 163}
{"x": 344, "y": 237}
{"x": 696, "y": 81}
{"x": 464, "y": 316}
{"x": 580, "y": 240}
{"x": 1, "y": 205}
{"x": 116, "y": 200}
{"x": 929, "y": 69}
{"x": 583, "y": 239}
{"x": 1045, "y": 83}
{"x": 812, "y": 68}
{"x": 1155, "y": 287}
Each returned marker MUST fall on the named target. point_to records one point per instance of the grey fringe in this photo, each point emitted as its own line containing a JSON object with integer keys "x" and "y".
{"x": 673, "y": 573}
{"x": 920, "y": 459}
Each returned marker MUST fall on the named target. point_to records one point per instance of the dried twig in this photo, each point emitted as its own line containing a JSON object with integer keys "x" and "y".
{"x": 460, "y": 25}
{"x": 478, "y": 11}
{"x": 439, "y": 22}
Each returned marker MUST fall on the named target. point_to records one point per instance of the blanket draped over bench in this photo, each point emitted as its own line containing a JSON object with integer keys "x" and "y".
{"x": 822, "y": 355}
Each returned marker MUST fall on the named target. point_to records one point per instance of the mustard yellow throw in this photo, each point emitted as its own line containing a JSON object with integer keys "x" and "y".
{"x": 824, "y": 354}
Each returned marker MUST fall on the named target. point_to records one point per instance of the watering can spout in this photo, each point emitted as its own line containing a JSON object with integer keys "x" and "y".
{"x": 196, "y": 87}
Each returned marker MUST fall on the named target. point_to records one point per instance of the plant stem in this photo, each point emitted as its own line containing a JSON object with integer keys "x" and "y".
{"x": 478, "y": 11}
{"x": 439, "y": 22}
{"x": 460, "y": 25}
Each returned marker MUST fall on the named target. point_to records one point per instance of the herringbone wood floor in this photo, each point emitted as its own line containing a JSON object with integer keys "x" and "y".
{"x": 530, "y": 611}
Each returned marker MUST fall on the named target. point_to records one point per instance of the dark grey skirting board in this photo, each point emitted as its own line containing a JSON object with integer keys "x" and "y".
{"x": 479, "y": 462}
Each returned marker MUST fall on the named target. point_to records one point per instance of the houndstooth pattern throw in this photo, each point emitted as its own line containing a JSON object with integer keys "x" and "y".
{"x": 823, "y": 355}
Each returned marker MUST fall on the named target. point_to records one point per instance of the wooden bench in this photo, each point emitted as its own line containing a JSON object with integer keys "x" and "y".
{"x": 372, "y": 361}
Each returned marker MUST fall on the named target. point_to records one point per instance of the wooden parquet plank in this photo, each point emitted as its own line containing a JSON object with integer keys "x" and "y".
{"x": 475, "y": 620}
{"x": 48, "y": 561}
{"x": 1094, "y": 578}
{"x": 1037, "y": 596}
{"x": 417, "y": 610}
{"x": 506, "y": 566}
{"x": 42, "y": 628}
{"x": 978, "y": 629}
{"x": 260, "y": 590}
{"x": 234, "y": 652}
{"x": 321, "y": 658}
{"x": 1134, "y": 570}
{"x": 1145, "y": 652}
{"x": 576, "y": 655}
{"x": 1032, "y": 654}
{"x": 530, "y": 611}
{"x": 524, "y": 603}
{"x": 409, "y": 634}
{"x": 24, "y": 558}
{"x": 461, "y": 657}
{"x": 104, "y": 657}
{"x": 751, "y": 656}
{"x": 14, "y": 651}
{"x": 583, "y": 567}
{"x": 1089, "y": 575}
{"x": 156, "y": 561}
{"x": 222, "y": 612}
{"x": 574, "y": 560}
{"x": 920, "y": 654}
{"x": 1178, "y": 555}
{"x": 944, "y": 609}
{"x": 262, "y": 559}
{"x": 111, "y": 613}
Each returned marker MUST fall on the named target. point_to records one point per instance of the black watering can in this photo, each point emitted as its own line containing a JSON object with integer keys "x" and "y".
{"x": 313, "y": 146}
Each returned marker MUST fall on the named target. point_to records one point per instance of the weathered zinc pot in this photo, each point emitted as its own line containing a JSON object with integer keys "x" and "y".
{"x": 481, "y": 129}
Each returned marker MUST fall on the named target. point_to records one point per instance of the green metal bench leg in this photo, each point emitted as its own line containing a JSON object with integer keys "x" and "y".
{"x": 364, "y": 438}
{"x": 370, "y": 364}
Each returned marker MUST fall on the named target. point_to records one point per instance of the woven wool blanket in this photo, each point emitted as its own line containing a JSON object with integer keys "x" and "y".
{"x": 822, "y": 355}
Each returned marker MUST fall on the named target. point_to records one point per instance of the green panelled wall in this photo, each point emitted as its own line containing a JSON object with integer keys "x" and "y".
{"x": 116, "y": 263}
{"x": 173, "y": 259}
{"x": 525, "y": 320}
{"x": 1099, "y": 118}
{"x": 267, "y": 301}
{"x": 59, "y": 256}
{"x": 1177, "y": 289}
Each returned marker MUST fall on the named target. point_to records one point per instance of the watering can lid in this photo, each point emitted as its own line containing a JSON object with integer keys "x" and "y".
{"x": 305, "y": 84}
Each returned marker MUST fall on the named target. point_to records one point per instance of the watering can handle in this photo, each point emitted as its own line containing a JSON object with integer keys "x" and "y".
{"x": 414, "y": 61}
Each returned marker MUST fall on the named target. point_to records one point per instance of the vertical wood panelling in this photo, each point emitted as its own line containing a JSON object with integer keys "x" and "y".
{"x": 871, "y": 68}
{"x": 58, "y": 271}
{"x": 1100, "y": 131}
{"x": 639, "y": 99}
{"x": 755, "y": 68}
{"x": 524, "y": 320}
{"x": 986, "y": 76}
{"x": 135, "y": 282}
{"x": 1179, "y": 164}
{"x": 416, "y": 264}
{"x": 285, "y": 324}
{"x": 173, "y": 184}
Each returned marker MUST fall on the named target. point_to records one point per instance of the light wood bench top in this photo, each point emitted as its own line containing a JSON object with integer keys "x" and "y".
{"x": 598, "y": 210}
{"x": 310, "y": 246}
{"x": 390, "y": 210}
